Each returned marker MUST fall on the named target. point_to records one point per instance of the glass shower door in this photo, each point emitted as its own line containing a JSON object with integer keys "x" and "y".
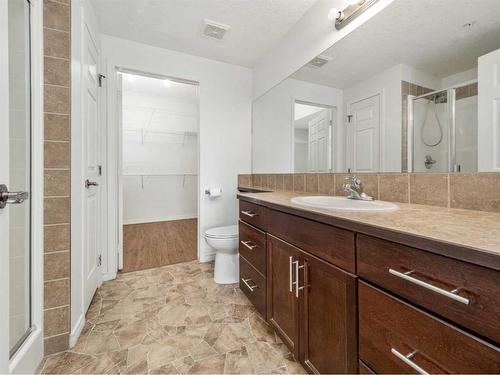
{"x": 19, "y": 208}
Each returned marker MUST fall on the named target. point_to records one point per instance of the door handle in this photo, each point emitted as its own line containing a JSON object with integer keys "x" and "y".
{"x": 89, "y": 183}
{"x": 15, "y": 197}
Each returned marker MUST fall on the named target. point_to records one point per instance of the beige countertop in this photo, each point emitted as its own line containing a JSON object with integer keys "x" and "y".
{"x": 468, "y": 235}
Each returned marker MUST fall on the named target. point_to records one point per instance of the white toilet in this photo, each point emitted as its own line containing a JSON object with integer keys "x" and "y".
{"x": 225, "y": 241}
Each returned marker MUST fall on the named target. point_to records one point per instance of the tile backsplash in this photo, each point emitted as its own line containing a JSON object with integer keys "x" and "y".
{"x": 474, "y": 191}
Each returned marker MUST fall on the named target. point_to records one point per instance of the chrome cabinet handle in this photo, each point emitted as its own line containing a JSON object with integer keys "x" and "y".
{"x": 245, "y": 281}
{"x": 249, "y": 245}
{"x": 14, "y": 197}
{"x": 297, "y": 288}
{"x": 249, "y": 213}
{"x": 408, "y": 360}
{"x": 89, "y": 183}
{"x": 291, "y": 273}
{"x": 450, "y": 294}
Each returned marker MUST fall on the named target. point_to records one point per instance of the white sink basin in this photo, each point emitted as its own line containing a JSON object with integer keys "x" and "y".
{"x": 344, "y": 204}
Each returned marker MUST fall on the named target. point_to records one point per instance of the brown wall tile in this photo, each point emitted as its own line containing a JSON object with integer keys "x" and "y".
{"x": 56, "y": 210}
{"x": 475, "y": 191}
{"x": 56, "y": 238}
{"x": 56, "y": 71}
{"x": 429, "y": 188}
{"x": 288, "y": 182}
{"x": 56, "y": 293}
{"x": 56, "y": 265}
{"x": 394, "y": 187}
{"x": 299, "y": 182}
{"x": 257, "y": 180}
{"x": 56, "y": 99}
{"x": 279, "y": 182}
{"x": 56, "y": 127}
{"x": 312, "y": 183}
{"x": 56, "y": 344}
{"x": 56, "y": 43}
{"x": 326, "y": 183}
{"x": 57, "y": 183}
{"x": 244, "y": 180}
{"x": 56, "y": 155}
{"x": 270, "y": 182}
{"x": 56, "y": 321}
{"x": 56, "y": 15}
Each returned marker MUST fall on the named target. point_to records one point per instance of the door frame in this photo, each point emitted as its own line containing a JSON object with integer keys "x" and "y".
{"x": 30, "y": 353}
{"x": 333, "y": 130}
{"x": 348, "y": 133}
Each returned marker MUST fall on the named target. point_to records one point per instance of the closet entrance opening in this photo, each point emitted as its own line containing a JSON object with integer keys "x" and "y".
{"x": 158, "y": 180}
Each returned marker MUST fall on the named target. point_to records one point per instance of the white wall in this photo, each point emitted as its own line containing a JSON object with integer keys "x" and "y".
{"x": 458, "y": 78}
{"x": 225, "y": 122}
{"x": 313, "y": 34}
{"x": 273, "y": 122}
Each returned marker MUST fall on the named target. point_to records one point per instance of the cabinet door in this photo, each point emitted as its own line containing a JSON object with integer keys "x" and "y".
{"x": 282, "y": 305}
{"x": 328, "y": 318}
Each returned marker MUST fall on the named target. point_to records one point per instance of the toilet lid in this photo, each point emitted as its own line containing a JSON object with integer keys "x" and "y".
{"x": 230, "y": 231}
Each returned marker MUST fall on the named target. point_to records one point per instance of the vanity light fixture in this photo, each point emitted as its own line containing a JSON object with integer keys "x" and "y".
{"x": 349, "y": 13}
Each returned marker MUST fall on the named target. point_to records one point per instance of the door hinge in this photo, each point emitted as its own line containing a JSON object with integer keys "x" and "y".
{"x": 349, "y": 117}
{"x": 100, "y": 77}
{"x": 99, "y": 260}
{"x": 99, "y": 169}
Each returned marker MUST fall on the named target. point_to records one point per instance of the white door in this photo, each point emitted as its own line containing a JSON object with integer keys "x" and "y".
{"x": 91, "y": 146}
{"x": 364, "y": 133}
{"x": 489, "y": 112}
{"x": 319, "y": 145}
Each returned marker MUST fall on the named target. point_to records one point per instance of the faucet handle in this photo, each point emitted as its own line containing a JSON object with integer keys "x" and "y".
{"x": 356, "y": 182}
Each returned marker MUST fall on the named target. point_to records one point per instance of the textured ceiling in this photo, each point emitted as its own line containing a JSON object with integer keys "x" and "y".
{"x": 256, "y": 25}
{"x": 426, "y": 34}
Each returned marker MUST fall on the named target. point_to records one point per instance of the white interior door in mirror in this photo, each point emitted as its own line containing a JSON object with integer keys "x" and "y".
{"x": 489, "y": 112}
{"x": 364, "y": 135}
{"x": 319, "y": 143}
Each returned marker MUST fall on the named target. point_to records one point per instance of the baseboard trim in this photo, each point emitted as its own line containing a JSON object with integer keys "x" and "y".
{"x": 157, "y": 219}
{"x": 76, "y": 331}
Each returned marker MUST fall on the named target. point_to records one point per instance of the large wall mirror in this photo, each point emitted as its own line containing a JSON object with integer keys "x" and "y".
{"x": 414, "y": 89}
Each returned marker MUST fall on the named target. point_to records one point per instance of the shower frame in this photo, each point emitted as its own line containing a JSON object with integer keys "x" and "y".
{"x": 451, "y": 122}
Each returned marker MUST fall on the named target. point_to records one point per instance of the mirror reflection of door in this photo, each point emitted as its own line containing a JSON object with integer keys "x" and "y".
{"x": 363, "y": 126}
{"x": 312, "y": 134}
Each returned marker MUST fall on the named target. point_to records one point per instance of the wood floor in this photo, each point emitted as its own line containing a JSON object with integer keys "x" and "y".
{"x": 159, "y": 244}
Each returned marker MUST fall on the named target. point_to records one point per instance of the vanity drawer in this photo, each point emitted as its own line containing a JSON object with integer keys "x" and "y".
{"x": 390, "y": 329}
{"x": 476, "y": 305}
{"x": 253, "y": 246}
{"x": 253, "y": 284}
{"x": 253, "y": 214}
{"x": 332, "y": 244}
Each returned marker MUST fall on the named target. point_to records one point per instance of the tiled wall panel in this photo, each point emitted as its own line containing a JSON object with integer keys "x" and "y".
{"x": 57, "y": 81}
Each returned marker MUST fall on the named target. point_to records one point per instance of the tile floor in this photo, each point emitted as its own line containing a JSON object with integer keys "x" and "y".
{"x": 173, "y": 319}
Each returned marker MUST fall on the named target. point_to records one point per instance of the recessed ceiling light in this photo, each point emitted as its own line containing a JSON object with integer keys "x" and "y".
{"x": 319, "y": 61}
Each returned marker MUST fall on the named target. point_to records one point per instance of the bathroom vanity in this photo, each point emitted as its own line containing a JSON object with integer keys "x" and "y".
{"x": 411, "y": 291}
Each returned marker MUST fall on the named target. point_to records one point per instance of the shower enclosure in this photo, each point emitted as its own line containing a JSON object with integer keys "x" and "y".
{"x": 443, "y": 137}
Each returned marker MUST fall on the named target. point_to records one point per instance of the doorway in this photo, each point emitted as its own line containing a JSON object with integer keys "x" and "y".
{"x": 159, "y": 170}
{"x": 312, "y": 137}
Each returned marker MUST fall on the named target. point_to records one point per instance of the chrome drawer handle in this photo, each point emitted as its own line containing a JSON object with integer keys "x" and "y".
{"x": 450, "y": 294}
{"x": 291, "y": 262}
{"x": 249, "y": 245}
{"x": 245, "y": 281}
{"x": 297, "y": 288}
{"x": 249, "y": 213}
{"x": 408, "y": 360}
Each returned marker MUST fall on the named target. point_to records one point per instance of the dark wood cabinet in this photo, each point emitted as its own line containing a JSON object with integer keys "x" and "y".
{"x": 328, "y": 329}
{"x": 319, "y": 289}
{"x": 282, "y": 304}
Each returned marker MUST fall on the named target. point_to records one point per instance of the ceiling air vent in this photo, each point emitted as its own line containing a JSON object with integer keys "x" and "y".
{"x": 215, "y": 30}
{"x": 319, "y": 61}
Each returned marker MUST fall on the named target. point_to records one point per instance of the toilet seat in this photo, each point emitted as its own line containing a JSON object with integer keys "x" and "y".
{"x": 230, "y": 231}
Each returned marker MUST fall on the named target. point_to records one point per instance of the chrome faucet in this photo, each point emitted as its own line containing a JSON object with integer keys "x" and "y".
{"x": 355, "y": 189}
